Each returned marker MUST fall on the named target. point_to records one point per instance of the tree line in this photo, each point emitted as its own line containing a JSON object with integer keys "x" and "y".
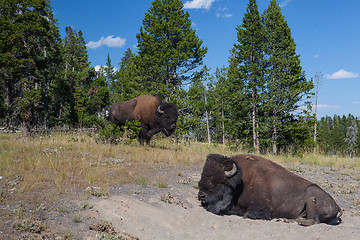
{"x": 260, "y": 101}
{"x": 339, "y": 135}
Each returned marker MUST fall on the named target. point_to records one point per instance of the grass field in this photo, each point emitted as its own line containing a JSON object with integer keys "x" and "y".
{"x": 61, "y": 161}
{"x": 41, "y": 175}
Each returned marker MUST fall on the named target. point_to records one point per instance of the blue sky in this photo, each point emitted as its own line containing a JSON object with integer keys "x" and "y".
{"x": 326, "y": 33}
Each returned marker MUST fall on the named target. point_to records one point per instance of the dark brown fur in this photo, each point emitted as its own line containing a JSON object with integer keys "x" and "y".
{"x": 262, "y": 189}
{"x": 144, "y": 109}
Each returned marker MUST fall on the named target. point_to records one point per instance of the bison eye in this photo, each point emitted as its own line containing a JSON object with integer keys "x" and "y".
{"x": 211, "y": 187}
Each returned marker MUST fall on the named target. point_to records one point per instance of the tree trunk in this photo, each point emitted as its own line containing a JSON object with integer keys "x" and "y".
{"x": 255, "y": 132}
{"x": 26, "y": 124}
{"x": 47, "y": 86}
{"x": 318, "y": 78}
{"x": 274, "y": 138}
{"x": 255, "y": 125}
{"x": 207, "y": 127}
{"x": 207, "y": 120}
{"x": 223, "y": 126}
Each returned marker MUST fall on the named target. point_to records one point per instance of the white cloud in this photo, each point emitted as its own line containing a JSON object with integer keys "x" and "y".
{"x": 328, "y": 106}
{"x": 356, "y": 102}
{"x": 99, "y": 68}
{"x": 341, "y": 74}
{"x": 316, "y": 56}
{"x": 284, "y": 3}
{"x": 109, "y": 41}
{"x": 223, "y": 13}
{"x": 198, "y": 4}
{"x": 135, "y": 47}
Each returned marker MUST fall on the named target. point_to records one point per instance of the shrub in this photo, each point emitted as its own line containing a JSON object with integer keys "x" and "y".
{"x": 114, "y": 134}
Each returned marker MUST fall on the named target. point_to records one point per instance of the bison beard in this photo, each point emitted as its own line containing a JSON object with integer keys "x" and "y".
{"x": 257, "y": 188}
{"x": 154, "y": 115}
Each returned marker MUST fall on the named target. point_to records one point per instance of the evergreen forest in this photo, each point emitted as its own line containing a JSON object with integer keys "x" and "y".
{"x": 260, "y": 100}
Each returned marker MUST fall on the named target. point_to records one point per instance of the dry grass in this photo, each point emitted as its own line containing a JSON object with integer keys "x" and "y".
{"x": 39, "y": 175}
{"x": 60, "y": 162}
{"x": 332, "y": 161}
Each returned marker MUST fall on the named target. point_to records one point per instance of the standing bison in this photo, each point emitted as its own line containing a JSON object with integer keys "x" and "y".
{"x": 258, "y": 188}
{"x": 154, "y": 115}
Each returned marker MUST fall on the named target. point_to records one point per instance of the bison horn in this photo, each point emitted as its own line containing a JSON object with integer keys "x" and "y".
{"x": 232, "y": 172}
{"x": 159, "y": 110}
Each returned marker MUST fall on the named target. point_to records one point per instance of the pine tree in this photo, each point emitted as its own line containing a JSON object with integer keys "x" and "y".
{"x": 168, "y": 47}
{"x": 246, "y": 71}
{"x": 324, "y": 129}
{"x": 97, "y": 101}
{"x": 286, "y": 82}
{"x": 78, "y": 77}
{"x": 108, "y": 74}
{"x": 53, "y": 71}
{"x": 339, "y": 135}
{"x": 198, "y": 112}
{"x": 29, "y": 54}
{"x": 109, "y": 70}
{"x": 126, "y": 59}
{"x": 219, "y": 101}
{"x": 126, "y": 84}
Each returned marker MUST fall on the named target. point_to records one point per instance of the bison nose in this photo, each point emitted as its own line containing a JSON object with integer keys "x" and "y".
{"x": 202, "y": 199}
{"x": 201, "y": 196}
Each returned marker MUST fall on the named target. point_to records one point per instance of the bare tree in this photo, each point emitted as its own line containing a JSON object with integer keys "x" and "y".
{"x": 318, "y": 77}
{"x": 351, "y": 135}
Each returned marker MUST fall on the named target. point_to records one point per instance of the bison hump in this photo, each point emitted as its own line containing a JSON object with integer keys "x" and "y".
{"x": 145, "y": 109}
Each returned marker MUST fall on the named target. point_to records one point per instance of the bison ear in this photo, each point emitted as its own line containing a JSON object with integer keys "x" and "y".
{"x": 159, "y": 110}
{"x": 231, "y": 172}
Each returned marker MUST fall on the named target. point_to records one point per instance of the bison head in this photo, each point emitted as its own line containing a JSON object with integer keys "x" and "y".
{"x": 219, "y": 180}
{"x": 166, "y": 117}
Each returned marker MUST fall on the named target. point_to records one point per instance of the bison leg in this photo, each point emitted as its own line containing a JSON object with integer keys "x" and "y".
{"x": 307, "y": 219}
{"x": 254, "y": 212}
{"x": 141, "y": 139}
{"x": 319, "y": 207}
{"x": 144, "y": 137}
{"x": 305, "y": 222}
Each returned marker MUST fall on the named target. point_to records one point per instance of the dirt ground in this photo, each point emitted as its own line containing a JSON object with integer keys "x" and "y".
{"x": 172, "y": 211}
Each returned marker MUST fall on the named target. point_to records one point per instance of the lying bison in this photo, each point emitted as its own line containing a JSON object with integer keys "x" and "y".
{"x": 154, "y": 115}
{"x": 257, "y": 188}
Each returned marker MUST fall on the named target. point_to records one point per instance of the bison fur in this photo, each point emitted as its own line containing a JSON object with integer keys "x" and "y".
{"x": 257, "y": 188}
{"x": 154, "y": 115}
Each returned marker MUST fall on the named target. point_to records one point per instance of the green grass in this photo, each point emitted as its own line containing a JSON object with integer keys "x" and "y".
{"x": 161, "y": 183}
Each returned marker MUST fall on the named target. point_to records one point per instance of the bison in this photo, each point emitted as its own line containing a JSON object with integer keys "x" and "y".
{"x": 154, "y": 115}
{"x": 257, "y": 188}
